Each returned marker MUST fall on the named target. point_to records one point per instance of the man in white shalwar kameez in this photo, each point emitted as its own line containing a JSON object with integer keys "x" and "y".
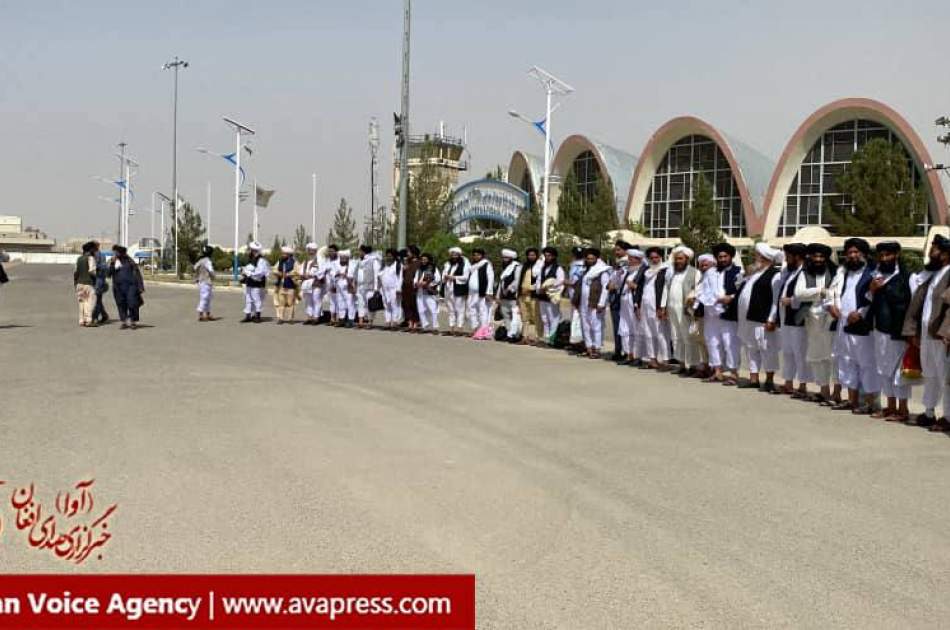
{"x": 367, "y": 284}
{"x": 650, "y": 316}
{"x": 719, "y": 315}
{"x": 254, "y": 277}
{"x": 344, "y": 280}
{"x": 683, "y": 280}
{"x": 755, "y": 303}
{"x": 309, "y": 270}
{"x": 548, "y": 288}
{"x": 789, "y": 319}
{"x": 507, "y": 294}
{"x": 627, "y": 328}
{"x": 592, "y": 301}
{"x": 390, "y": 280}
{"x": 481, "y": 286}
{"x": 204, "y": 278}
{"x": 814, "y": 293}
{"x": 454, "y": 288}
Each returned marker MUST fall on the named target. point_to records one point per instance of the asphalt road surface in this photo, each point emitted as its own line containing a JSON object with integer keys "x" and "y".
{"x": 581, "y": 495}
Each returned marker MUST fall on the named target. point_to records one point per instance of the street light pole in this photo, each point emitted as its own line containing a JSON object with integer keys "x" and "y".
{"x": 551, "y": 86}
{"x": 161, "y": 253}
{"x": 313, "y": 216}
{"x": 239, "y": 130}
{"x": 175, "y": 65}
{"x": 404, "y": 118}
{"x": 208, "y": 229}
{"x": 118, "y": 230}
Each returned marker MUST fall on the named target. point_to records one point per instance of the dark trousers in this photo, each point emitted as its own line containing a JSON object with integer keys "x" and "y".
{"x": 99, "y": 312}
{"x": 127, "y": 301}
{"x": 615, "y": 322}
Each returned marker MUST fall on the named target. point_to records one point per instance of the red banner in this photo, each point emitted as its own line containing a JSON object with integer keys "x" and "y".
{"x": 237, "y": 601}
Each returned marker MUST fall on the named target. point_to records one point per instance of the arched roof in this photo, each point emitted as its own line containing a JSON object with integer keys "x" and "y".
{"x": 521, "y": 162}
{"x": 615, "y": 163}
{"x": 750, "y": 168}
{"x": 835, "y": 113}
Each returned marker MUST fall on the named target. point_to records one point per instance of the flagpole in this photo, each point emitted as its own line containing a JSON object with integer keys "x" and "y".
{"x": 208, "y": 232}
{"x": 313, "y": 219}
{"x": 256, "y": 226}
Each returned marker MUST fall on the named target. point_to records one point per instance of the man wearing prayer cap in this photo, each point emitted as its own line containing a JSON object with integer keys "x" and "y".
{"x": 683, "y": 281}
{"x": 926, "y": 326}
{"x": 789, "y": 319}
{"x": 720, "y": 329}
{"x": 756, "y": 302}
{"x": 254, "y": 278}
{"x": 628, "y": 327}
{"x": 507, "y": 294}
{"x": 285, "y": 285}
{"x": 854, "y": 347}
{"x": 454, "y": 289}
{"x": 890, "y": 297}
{"x": 312, "y": 296}
{"x": 548, "y": 287}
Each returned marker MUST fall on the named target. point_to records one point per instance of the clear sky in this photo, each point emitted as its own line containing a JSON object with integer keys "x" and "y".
{"x": 78, "y": 77}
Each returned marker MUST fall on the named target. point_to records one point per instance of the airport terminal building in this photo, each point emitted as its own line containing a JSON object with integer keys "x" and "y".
{"x": 757, "y": 196}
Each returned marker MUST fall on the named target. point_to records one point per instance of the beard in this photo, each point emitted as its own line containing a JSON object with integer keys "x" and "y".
{"x": 887, "y": 267}
{"x": 678, "y": 267}
{"x": 853, "y": 265}
{"x": 817, "y": 269}
{"x": 933, "y": 264}
{"x": 721, "y": 266}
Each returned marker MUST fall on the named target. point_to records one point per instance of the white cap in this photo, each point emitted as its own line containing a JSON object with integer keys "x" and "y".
{"x": 455, "y": 250}
{"x": 509, "y": 253}
{"x": 254, "y": 246}
{"x": 312, "y": 246}
{"x": 682, "y": 249}
{"x": 763, "y": 250}
{"x": 343, "y": 253}
{"x": 706, "y": 258}
{"x": 286, "y": 249}
{"x": 636, "y": 253}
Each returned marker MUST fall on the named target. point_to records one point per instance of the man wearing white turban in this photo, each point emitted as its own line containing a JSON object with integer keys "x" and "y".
{"x": 254, "y": 278}
{"x": 683, "y": 281}
{"x": 627, "y": 326}
{"x": 650, "y": 317}
{"x": 756, "y": 301}
{"x": 507, "y": 293}
{"x": 344, "y": 279}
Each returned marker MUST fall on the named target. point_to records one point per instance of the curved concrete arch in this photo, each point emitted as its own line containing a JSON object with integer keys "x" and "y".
{"x": 615, "y": 164}
{"x": 750, "y": 168}
{"x": 521, "y": 163}
{"x": 835, "y": 113}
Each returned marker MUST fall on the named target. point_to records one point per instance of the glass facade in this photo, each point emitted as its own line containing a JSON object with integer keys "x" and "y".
{"x": 671, "y": 191}
{"x": 587, "y": 173}
{"x": 815, "y": 182}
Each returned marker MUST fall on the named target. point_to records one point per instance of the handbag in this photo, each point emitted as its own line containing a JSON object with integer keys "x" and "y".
{"x": 375, "y": 302}
{"x": 910, "y": 364}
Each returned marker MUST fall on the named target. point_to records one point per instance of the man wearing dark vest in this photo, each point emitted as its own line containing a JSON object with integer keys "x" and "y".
{"x": 923, "y": 323}
{"x": 754, "y": 306}
{"x": 84, "y": 279}
{"x": 890, "y": 297}
{"x": 789, "y": 318}
{"x": 854, "y": 348}
{"x": 454, "y": 289}
{"x": 548, "y": 288}
{"x": 615, "y": 286}
{"x": 481, "y": 285}
{"x": 254, "y": 278}
{"x": 591, "y": 300}
{"x": 508, "y": 293}
{"x": 652, "y": 327}
{"x": 720, "y": 329}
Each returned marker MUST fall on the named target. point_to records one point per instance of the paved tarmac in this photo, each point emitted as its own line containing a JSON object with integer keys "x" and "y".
{"x": 582, "y": 495}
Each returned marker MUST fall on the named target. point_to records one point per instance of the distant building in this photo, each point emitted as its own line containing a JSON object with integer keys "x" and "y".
{"x": 14, "y": 238}
{"x": 446, "y": 153}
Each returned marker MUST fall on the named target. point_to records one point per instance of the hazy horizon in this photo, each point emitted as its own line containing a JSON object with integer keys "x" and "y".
{"x": 77, "y": 78}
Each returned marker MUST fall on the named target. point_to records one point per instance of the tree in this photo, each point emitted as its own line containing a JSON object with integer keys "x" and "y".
{"x": 589, "y": 219}
{"x": 700, "y": 229}
{"x": 878, "y": 181}
{"x": 343, "y": 231}
{"x": 301, "y": 238}
{"x": 429, "y": 193}
{"x": 191, "y": 237}
{"x": 496, "y": 173}
{"x": 274, "y": 254}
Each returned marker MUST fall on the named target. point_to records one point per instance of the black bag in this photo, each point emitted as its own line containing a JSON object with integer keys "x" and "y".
{"x": 3, "y": 276}
{"x": 562, "y": 336}
{"x": 501, "y": 334}
{"x": 375, "y": 302}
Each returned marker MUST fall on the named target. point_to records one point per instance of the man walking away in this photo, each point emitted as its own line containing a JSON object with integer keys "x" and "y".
{"x": 127, "y": 286}
{"x": 204, "y": 278}
{"x": 84, "y": 279}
